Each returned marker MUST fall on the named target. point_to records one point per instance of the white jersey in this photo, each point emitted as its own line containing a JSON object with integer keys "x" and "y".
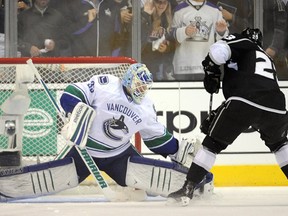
{"x": 118, "y": 118}
{"x": 192, "y": 51}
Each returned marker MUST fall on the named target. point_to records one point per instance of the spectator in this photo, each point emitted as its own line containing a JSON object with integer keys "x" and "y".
{"x": 238, "y": 14}
{"x": 41, "y": 31}
{"x": 63, "y": 6}
{"x": 2, "y": 16}
{"x": 275, "y": 31}
{"x": 173, "y": 3}
{"x": 121, "y": 41}
{"x": 196, "y": 25}
{"x": 24, "y": 5}
{"x": 93, "y": 26}
{"x": 156, "y": 17}
{"x": 157, "y": 52}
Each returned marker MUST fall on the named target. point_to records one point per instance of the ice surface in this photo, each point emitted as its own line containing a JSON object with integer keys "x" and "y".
{"x": 232, "y": 201}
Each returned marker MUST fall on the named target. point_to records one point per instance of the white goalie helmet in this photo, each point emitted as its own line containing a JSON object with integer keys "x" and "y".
{"x": 137, "y": 80}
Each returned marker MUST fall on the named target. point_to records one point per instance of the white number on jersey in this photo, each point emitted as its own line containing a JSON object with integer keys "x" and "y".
{"x": 265, "y": 67}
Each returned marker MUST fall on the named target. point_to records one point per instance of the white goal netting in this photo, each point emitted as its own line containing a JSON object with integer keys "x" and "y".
{"x": 42, "y": 140}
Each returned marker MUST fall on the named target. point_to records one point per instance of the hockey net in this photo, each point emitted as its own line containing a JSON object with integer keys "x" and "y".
{"x": 42, "y": 139}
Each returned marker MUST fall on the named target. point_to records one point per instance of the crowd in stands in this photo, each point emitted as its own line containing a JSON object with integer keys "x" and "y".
{"x": 275, "y": 34}
{"x": 175, "y": 34}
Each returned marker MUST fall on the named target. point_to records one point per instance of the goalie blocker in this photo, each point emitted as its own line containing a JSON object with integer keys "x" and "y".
{"x": 76, "y": 130}
{"x": 37, "y": 180}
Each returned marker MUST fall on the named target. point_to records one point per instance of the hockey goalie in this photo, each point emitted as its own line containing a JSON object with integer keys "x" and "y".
{"x": 121, "y": 108}
{"x": 104, "y": 113}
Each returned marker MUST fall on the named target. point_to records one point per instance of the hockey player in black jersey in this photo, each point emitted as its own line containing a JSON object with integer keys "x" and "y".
{"x": 252, "y": 99}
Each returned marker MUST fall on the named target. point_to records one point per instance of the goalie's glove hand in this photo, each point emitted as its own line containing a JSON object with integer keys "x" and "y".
{"x": 212, "y": 75}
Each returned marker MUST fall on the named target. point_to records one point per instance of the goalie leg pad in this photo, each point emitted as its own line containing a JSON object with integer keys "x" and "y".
{"x": 79, "y": 125}
{"x": 37, "y": 180}
{"x": 155, "y": 176}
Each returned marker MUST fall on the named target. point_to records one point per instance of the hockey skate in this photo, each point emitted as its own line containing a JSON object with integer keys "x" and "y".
{"x": 187, "y": 151}
{"x": 183, "y": 195}
{"x": 190, "y": 190}
{"x": 206, "y": 187}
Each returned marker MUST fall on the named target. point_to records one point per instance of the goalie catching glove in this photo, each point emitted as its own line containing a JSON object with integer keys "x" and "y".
{"x": 76, "y": 130}
{"x": 187, "y": 151}
{"x": 212, "y": 75}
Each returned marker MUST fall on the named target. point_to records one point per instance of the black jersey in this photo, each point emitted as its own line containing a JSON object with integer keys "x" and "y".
{"x": 250, "y": 74}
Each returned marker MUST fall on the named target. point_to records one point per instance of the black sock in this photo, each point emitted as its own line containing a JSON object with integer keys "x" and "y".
{"x": 196, "y": 173}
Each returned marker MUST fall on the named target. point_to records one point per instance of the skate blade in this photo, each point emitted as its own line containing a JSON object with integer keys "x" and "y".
{"x": 183, "y": 201}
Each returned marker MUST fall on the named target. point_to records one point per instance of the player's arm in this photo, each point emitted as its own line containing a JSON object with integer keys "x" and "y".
{"x": 78, "y": 92}
{"x": 75, "y": 101}
{"x": 156, "y": 136}
{"x": 160, "y": 141}
{"x": 218, "y": 54}
{"x": 71, "y": 97}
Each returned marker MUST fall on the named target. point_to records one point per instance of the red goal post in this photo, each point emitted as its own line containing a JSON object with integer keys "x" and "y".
{"x": 41, "y": 134}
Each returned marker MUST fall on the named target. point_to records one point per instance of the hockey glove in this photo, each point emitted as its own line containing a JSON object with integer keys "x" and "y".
{"x": 76, "y": 130}
{"x": 205, "y": 125}
{"x": 212, "y": 75}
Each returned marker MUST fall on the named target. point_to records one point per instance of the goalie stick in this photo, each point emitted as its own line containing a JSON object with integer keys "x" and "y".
{"x": 89, "y": 162}
{"x": 35, "y": 71}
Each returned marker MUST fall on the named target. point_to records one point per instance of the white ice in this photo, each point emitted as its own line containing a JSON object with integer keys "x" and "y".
{"x": 232, "y": 201}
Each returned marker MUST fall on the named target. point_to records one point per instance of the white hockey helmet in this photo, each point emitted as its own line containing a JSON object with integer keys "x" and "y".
{"x": 137, "y": 80}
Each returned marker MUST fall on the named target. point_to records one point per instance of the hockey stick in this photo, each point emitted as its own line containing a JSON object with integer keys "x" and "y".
{"x": 87, "y": 159}
{"x": 35, "y": 71}
{"x": 210, "y": 106}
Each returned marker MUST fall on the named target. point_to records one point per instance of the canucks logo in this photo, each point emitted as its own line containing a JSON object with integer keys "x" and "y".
{"x": 112, "y": 125}
{"x": 103, "y": 80}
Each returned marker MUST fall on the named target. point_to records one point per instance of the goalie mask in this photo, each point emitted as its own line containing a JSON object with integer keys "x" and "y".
{"x": 137, "y": 80}
{"x": 253, "y": 34}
